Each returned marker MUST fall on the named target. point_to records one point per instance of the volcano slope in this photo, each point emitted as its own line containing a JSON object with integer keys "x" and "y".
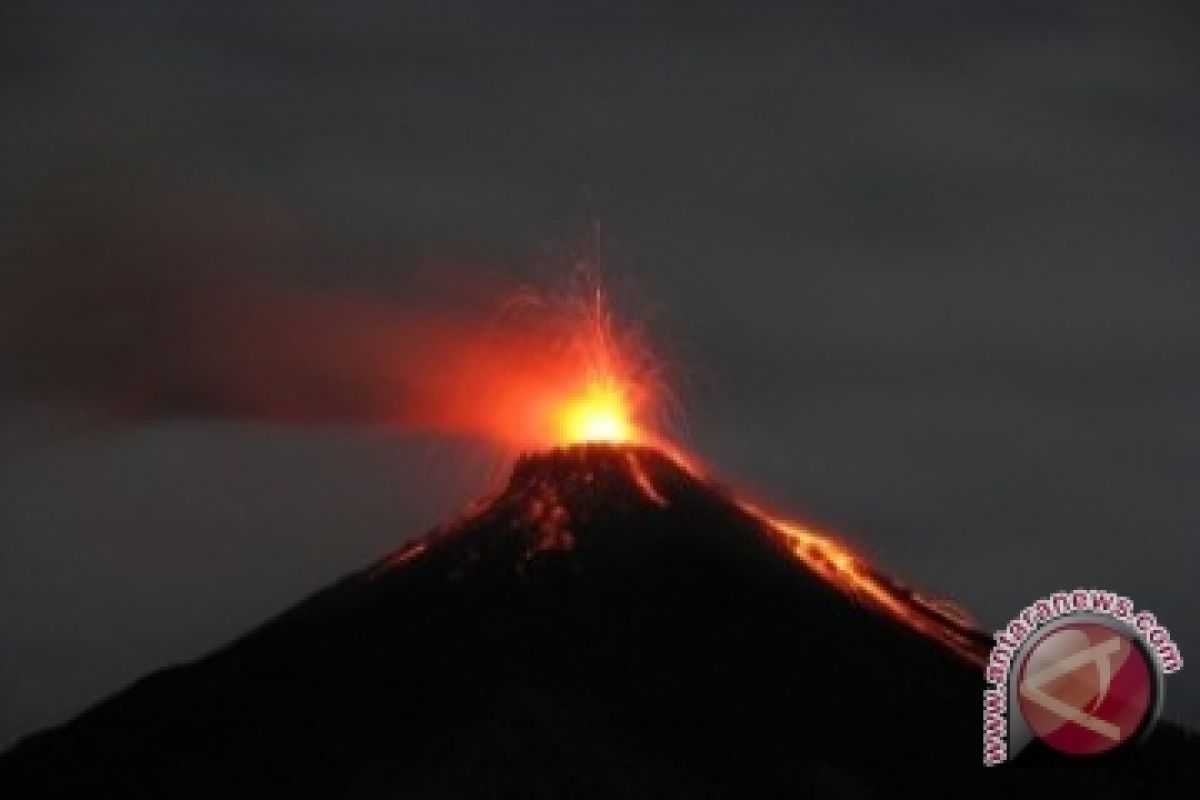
{"x": 609, "y": 625}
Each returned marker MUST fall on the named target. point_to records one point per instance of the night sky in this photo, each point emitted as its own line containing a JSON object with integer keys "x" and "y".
{"x": 925, "y": 273}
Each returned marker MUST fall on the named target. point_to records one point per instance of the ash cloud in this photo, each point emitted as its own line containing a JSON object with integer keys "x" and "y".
{"x": 141, "y": 318}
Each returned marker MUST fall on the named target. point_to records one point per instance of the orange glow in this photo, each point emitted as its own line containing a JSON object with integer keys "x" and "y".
{"x": 599, "y": 384}
{"x": 599, "y": 414}
{"x": 534, "y": 371}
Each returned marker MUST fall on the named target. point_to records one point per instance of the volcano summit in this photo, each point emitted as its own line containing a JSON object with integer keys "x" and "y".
{"x": 609, "y": 625}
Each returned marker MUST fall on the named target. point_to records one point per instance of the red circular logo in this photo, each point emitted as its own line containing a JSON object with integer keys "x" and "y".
{"x": 1086, "y": 687}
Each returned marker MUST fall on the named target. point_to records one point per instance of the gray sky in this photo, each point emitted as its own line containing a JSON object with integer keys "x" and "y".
{"x": 926, "y": 272}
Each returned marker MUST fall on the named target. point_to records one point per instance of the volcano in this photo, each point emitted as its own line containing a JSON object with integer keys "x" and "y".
{"x": 610, "y": 624}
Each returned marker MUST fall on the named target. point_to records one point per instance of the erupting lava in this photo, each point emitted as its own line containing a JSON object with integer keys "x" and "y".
{"x": 599, "y": 414}
{"x": 604, "y": 391}
{"x": 614, "y": 381}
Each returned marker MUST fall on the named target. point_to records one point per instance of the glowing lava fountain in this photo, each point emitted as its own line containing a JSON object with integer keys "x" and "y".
{"x": 612, "y": 383}
{"x": 607, "y": 394}
{"x": 600, "y": 414}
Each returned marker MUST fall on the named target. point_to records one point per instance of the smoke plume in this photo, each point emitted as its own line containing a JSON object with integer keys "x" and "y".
{"x": 128, "y": 322}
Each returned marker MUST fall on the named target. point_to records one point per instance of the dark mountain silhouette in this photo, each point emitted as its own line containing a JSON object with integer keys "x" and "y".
{"x": 608, "y": 626}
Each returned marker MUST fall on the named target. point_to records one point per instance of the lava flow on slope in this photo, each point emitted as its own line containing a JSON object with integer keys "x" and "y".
{"x": 551, "y": 493}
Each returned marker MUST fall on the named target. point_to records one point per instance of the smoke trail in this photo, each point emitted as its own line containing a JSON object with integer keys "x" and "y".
{"x": 147, "y": 342}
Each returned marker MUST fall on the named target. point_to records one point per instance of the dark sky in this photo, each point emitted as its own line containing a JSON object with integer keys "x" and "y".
{"x": 927, "y": 271}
